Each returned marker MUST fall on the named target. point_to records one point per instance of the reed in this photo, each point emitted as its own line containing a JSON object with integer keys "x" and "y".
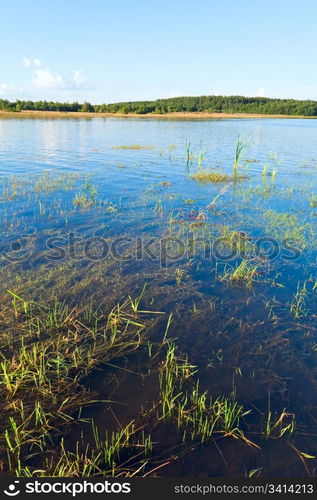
{"x": 188, "y": 154}
{"x": 241, "y": 148}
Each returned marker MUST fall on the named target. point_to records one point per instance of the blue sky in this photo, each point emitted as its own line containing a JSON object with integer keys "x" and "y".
{"x": 113, "y": 50}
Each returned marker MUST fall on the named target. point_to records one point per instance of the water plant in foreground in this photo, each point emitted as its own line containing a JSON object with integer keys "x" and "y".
{"x": 46, "y": 352}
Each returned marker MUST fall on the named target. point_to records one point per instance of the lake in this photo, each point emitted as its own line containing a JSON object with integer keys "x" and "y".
{"x": 159, "y": 305}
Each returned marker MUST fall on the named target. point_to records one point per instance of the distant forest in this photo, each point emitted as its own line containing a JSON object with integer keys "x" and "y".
{"x": 210, "y": 104}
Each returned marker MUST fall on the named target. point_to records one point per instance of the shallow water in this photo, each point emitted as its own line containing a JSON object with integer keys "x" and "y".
{"x": 84, "y": 178}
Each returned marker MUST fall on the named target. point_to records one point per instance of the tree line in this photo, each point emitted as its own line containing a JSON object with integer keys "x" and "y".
{"x": 210, "y": 104}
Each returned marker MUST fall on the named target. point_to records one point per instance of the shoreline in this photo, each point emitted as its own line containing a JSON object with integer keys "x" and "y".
{"x": 176, "y": 115}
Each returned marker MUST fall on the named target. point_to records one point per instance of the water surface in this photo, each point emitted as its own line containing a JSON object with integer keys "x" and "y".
{"x": 86, "y": 197}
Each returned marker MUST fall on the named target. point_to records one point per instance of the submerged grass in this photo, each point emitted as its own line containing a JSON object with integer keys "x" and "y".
{"x": 42, "y": 368}
{"x": 197, "y": 415}
{"x": 288, "y": 227}
{"x": 15, "y": 186}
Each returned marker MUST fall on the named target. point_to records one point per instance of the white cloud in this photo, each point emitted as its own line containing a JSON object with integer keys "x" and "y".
{"x": 261, "y": 92}
{"x": 28, "y": 63}
{"x": 45, "y": 79}
{"x": 6, "y": 89}
{"x": 79, "y": 78}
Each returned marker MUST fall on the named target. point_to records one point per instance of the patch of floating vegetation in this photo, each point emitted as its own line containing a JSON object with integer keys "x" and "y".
{"x": 135, "y": 147}
{"x": 205, "y": 176}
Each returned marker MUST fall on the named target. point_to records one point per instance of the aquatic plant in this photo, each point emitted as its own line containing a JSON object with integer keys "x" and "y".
{"x": 246, "y": 273}
{"x": 200, "y": 159}
{"x": 284, "y": 424}
{"x": 158, "y": 209}
{"x": 238, "y": 241}
{"x": 188, "y": 154}
{"x": 180, "y": 275}
{"x": 297, "y": 307}
{"x": 212, "y": 204}
{"x": 110, "y": 207}
{"x": 241, "y": 148}
{"x": 313, "y": 201}
{"x": 83, "y": 200}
